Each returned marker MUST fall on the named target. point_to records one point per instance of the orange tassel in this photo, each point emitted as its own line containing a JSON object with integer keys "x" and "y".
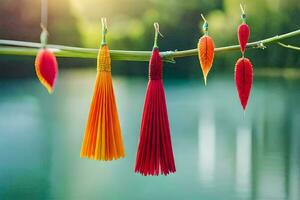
{"x": 103, "y": 138}
{"x": 206, "y": 50}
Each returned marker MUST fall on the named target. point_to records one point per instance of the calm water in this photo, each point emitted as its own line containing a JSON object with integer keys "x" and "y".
{"x": 219, "y": 153}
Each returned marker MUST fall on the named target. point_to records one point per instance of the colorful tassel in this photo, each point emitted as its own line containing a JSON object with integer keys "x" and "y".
{"x": 243, "y": 32}
{"x": 206, "y": 50}
{"x": 155, "y": 153}
{"x": 103, "y": 138}
{"x": 243, "y": 79}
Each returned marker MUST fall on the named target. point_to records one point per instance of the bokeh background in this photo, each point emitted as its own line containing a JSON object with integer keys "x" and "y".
{"x": 219, "y": 152}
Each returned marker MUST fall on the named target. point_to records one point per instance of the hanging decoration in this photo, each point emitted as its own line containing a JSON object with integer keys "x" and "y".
{"x": 243, "y": 68}
{"x": 103, "y": 138}
{"x": 243, "y": 79}
{"x": 155, "y": 154}
{"x": 46, "y": 67}
{"x": 206, "y": 48}
{"x": 243, "y": 31}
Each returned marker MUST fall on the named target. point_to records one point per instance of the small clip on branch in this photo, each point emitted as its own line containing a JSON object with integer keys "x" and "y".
{"x": 104, "y": 30}
{"x": 157, "y": 32}
{"x": 44, "y": 36}
{"x": 243, "y": 16}
{"x": 205, "y": 25}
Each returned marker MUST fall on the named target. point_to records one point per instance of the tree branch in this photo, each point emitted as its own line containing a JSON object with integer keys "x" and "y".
{"x": 11, "y": 47}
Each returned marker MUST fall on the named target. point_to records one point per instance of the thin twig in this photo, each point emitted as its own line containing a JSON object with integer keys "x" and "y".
{"x": 289, "y": 46}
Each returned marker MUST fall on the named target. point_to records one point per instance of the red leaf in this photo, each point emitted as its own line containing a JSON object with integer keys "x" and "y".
{"x": 155, "y": 153}
{"x": 46, "y": 68}
{"x": 243, "y": 79}
{"x": 243, "y": 35}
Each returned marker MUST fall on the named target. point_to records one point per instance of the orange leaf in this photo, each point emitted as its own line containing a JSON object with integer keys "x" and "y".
{"x": 206, "y": 50}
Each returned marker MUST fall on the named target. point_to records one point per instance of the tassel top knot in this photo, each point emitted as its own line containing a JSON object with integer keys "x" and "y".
{"x": 104, "y": 60}
{"x": 155, "y": 65}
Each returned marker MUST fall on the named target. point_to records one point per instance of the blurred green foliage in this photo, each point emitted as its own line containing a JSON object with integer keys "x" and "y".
{"x": 20, "y": 20}
{"x": 130, "y": 23}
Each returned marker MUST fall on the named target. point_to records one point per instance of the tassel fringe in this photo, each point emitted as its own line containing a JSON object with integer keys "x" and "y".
{"x": 103, "y": 138}
{"x": 155, "y": 153}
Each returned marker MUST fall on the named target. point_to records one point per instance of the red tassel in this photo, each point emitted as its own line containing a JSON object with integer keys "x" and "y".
{"x": 155, "y": 154}
{"x": 243, "y": 79}
{"x": 46, "y": 68}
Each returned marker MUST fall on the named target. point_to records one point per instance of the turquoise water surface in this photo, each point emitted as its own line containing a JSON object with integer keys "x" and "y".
{"x": 219, "y": 153}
